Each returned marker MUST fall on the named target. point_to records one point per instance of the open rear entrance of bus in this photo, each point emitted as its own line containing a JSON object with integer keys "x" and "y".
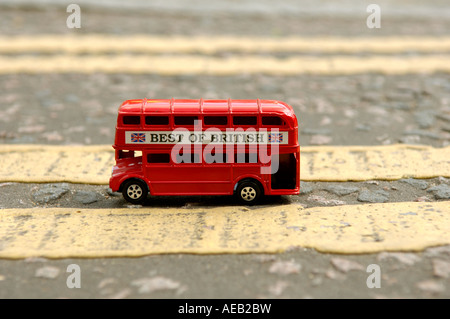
{"x": 285, "y": 175}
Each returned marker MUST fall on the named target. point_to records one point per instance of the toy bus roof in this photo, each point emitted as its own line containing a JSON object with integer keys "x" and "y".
{"x": 177, "y": 106}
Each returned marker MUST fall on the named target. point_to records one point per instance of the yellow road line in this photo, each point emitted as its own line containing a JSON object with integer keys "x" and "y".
{"x": 45, "y": 163}
{"x": 71, "y": 232}
{"x": 97, "y": 43}
{"x": 386, "y": 162}
{"x": 92, "y": 164}
{"x": 209, "y": 65}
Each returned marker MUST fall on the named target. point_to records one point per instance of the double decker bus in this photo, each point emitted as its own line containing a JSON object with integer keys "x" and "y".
{"x": 248, "y": 148}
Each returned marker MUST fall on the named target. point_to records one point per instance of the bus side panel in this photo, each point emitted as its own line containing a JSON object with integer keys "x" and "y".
{"x": 189, "y": 179}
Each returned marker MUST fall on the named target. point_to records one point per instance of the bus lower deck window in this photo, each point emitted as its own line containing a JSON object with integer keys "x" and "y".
{"x": 158, "y": 158}
{"x": 249, "y": 158}
{"x": 187, "y": 158}
{"x": 215, "y": 158}
{"x": 126, "y": 154}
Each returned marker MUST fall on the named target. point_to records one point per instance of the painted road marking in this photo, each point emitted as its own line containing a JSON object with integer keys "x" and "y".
{"x": 93, "y": 164}
{"x": 210, "y": 65}
{"x": 194, "y": 55}
{"x": 351, "y": 229}
{"x": 100, "y": 43}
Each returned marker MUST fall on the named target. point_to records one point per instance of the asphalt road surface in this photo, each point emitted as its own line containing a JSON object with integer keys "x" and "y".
{"x": 359, "y": 109}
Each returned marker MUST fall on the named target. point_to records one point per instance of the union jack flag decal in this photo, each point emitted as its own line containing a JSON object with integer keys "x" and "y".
{"x": 275, "y": 137}
{"x": 137, "y": 137}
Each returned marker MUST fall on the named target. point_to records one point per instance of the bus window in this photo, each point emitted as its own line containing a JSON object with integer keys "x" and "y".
{"x": 244, "y": 120}
{"x": 215, "y": 158}
{"x": 158, "y": 158}
{"x": 157, "y": 120}
{"x": 215, "y": 120}
{"x": 272, "y": 121}
{"x": 131, "y": 120}
{"x": 249, "y": 158}
{"x": 185, "y": 120}
{"x": 187, "y": 158}
{"x": 126, "y": 154}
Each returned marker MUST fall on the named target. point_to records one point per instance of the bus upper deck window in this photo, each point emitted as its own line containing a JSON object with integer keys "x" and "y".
{"x": 272, "y": 121}
{"x": 244, "y": 120}
{"x": 215, "y": 120}
{"x": 157, "y": 120}
{"x": 185, "y": 120}
{"x": 131, "y": 120}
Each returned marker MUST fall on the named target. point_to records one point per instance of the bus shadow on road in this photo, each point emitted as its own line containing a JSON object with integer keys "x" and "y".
{"x": 210, "y": 201}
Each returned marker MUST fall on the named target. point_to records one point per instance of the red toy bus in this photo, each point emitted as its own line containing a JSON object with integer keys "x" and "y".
{"x": 206, "y": 147}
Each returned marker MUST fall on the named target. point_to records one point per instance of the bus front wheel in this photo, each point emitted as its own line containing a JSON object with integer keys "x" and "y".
{"x": 135, "y": 191}
{"x": 248, "y": 192}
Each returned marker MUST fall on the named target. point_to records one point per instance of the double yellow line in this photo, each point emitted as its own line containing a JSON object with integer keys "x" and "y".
{"x": 74, "y": 232}
{"x": 92, "y": 164}
{"x": 96, "y": 44}
{"x": 199, "y": 55}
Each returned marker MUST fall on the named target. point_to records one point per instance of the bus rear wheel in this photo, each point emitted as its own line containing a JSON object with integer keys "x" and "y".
{"x": 248, "y": 192}
{"x": 135, "y": 191}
